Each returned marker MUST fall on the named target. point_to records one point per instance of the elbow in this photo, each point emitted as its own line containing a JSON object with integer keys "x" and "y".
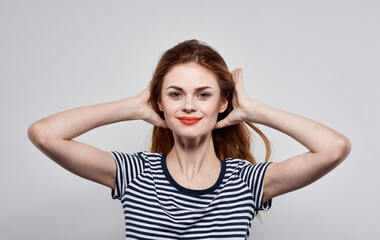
{"x": 341, "y": 149}
{"x": 36, "y": 134}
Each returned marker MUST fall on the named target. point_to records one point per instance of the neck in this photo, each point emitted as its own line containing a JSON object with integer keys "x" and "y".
{"x": 192, "y": 158}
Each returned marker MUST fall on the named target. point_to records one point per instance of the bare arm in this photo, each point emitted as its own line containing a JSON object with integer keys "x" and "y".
{"x": 54, "y": 135}
{"x": 327, "y": 147}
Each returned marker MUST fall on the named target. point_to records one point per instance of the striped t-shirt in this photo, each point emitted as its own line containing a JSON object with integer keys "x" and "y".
{"x": 157, "y": 207}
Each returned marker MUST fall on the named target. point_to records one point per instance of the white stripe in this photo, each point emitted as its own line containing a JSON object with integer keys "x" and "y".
{"x": 159, "y": 208}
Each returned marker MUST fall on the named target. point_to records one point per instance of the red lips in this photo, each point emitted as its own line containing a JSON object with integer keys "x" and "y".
{"x": 189, "y": 120}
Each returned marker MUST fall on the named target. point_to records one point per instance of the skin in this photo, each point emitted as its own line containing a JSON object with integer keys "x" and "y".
{"x": 192, "y": 162}
{"x": 190, "y": 90}
{"x": 327, "y": 148}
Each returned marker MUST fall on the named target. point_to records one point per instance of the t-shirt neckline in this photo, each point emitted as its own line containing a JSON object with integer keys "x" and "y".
{"x": 188, "y": 190}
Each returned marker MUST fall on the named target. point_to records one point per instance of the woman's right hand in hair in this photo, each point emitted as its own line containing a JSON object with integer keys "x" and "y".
{"x": 146, "y": 111}
{"x": 54, "y": 135}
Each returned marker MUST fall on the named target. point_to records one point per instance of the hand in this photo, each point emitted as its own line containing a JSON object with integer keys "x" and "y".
{"x": 146, "y": 110}
{"x": 240, "y": 101}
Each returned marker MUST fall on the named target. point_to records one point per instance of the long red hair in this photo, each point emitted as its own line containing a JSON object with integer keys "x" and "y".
{"x": 233, "y": 141}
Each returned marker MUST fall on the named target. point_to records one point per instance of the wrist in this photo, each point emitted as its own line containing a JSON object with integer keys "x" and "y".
{"x": 255, "y": 112}
{"x": 129, "y": 109}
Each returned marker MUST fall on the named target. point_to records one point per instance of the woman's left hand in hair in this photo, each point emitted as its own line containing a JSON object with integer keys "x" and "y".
{"x": 327, "y": 147}
{"x": 241, "y": 102}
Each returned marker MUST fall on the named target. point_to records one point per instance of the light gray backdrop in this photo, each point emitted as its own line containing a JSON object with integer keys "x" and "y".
{"x": 319, "y": 59}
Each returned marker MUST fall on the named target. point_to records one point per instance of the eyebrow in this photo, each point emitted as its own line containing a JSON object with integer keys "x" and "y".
{"x": 197, "y": 89}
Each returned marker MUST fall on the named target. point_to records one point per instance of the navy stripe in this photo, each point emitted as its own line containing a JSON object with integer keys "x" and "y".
{"x": 157, "y": 207}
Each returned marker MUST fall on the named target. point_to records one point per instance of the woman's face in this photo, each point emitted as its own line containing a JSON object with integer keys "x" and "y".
{"x": 191, "y": 100}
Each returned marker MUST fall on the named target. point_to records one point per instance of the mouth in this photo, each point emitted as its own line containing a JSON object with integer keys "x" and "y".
{"x": 189, "y": 120}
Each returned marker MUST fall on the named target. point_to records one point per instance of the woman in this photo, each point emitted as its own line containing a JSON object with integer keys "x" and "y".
{"x": 199, "y": 181}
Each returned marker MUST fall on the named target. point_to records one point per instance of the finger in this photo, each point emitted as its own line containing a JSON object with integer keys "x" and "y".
{"x": 239, "y": 85}
{"x": 220, "y": 124}
{"x": 233, "y": 73}
{"x": 234, "y": 76}
{"x": 239, "y": 75}
{"x": 163, "y": 124}
{"x": 159, "y": 122}
{"x": 223, "y": 123}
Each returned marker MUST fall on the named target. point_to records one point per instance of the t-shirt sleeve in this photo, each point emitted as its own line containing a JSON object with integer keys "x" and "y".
{"x": 128, "y": 166}
{"x": 253, "y": 176}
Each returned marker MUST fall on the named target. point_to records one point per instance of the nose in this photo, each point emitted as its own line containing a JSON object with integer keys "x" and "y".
{"x": 189, "y": 105}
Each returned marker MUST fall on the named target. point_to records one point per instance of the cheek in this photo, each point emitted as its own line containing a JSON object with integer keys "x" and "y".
{"x": 169, "y": 111}
{"x": 210, "y": 108}
{"x": 168, "y": 107}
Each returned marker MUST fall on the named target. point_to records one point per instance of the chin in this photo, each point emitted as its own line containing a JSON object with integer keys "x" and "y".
{"x": 190, "y": 133}
{"x": 201, "y": 129}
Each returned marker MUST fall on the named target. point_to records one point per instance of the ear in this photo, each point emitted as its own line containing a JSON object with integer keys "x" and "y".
{"x": 223, "y": 105}
{"x": 159, "y": 105}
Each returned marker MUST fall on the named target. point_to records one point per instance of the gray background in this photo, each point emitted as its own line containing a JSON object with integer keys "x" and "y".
{"x": 319, "y": 59}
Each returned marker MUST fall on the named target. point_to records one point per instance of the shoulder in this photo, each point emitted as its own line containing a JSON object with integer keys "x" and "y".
{"x": 149, "y": 155}
{"x": 236, "y": 162}
{"x": 243, "y": 167}
{"x": 129, "y": 166}
{"x": 239, "y": 164}
{"x": 137, "y": 156}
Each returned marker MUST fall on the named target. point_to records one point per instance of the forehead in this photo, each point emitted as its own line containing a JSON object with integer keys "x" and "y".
{"x": 190, "y": 75}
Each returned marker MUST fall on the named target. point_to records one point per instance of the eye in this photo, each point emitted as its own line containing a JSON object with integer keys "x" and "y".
{"x": 204, "y": 95}
{"x": 175, "y": 94}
